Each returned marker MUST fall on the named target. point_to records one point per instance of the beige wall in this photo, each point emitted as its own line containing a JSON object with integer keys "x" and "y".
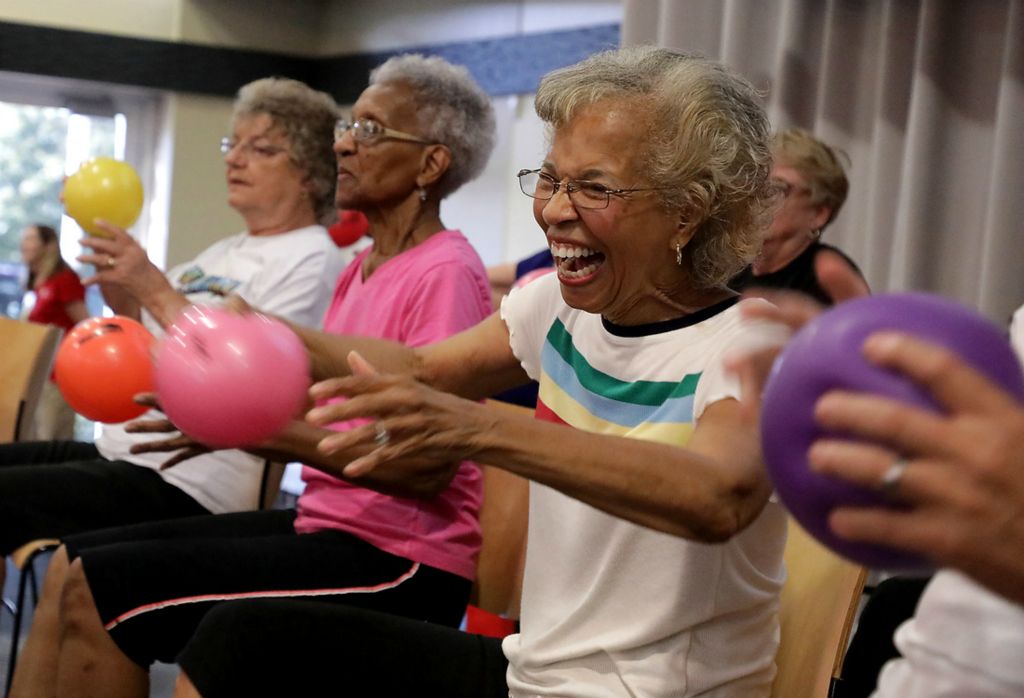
{"x": 271, "y": 25}
{"x": 190, "y": 189}
{"x": 193, "y": 183}
{"x": 198, "y": 214}
{"x": 146, "y": 19}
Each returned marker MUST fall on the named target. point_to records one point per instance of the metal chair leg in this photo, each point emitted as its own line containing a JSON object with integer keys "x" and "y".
{"x": 26, "y": 579}
{"x": 23, "y": 580}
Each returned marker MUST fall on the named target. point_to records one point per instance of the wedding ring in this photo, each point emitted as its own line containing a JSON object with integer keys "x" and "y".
{"x": 382, "y": 435}
{"x": 889, "y": 485}
{"x": 111, "y": 262}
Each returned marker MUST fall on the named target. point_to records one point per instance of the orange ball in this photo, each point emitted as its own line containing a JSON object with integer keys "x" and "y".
{"x": 101, "y": 364}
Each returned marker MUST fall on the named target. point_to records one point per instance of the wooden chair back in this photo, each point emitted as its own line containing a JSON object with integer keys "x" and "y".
{"x": 816, "y": 612}
{"x": 26, "y": 354}
{"x": 503, "y": 522}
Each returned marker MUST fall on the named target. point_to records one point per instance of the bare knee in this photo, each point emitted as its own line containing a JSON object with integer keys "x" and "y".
{"x": 56, "y": 572}
{"x": 78, "y": 612}
{"x": 184, "y": 688}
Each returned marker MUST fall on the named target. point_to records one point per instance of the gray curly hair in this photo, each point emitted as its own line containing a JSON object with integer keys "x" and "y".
{"x": 452, "y": 109}
{"x": 707, "y": 144}
{"x": 306, "y": 117}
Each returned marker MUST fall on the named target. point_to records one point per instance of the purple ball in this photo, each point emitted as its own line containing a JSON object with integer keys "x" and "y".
{"x": 826, "y": 355}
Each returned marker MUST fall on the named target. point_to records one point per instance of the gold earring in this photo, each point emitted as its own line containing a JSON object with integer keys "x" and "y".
{"x": 679, "y": 254}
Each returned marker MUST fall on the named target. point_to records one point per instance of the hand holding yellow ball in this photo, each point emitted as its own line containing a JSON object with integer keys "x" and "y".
{"x": 103, "y": 188}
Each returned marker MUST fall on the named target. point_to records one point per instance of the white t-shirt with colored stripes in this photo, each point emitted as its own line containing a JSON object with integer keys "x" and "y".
{"x": 611, "y": 608}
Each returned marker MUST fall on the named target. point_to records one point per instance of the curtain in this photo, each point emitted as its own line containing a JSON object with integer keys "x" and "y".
{"x": 927, "y": 99}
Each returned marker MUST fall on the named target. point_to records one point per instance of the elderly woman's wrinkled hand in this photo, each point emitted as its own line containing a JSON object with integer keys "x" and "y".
{"x": 184, "y": 446}
{"x": 409, "y": 420}
{"x": 120, "y": 262}
{"x": 236, "y": 304}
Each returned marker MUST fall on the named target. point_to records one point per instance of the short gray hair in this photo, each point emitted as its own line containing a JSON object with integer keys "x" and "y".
{"x": 452, "y": 109}
{"x": 707, "y": 144}
{"x": 306, "y": 117}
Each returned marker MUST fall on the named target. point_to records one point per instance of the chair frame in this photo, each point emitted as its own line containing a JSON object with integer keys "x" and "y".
{"x": 817, "y": 609}
{"x": 28, "y": 352}
{"x": 24, "y": 559}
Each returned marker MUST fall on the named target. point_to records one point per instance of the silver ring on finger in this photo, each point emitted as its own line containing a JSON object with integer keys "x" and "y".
{"x": 889, "y": 485}
{"x": 381, "y": 436}
{"x": 111, "y": 262}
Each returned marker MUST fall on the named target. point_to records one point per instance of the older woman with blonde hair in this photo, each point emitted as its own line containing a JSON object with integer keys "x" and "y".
{"x": 654, "y": 553}
{"x": 279, "y": 175}
{"x": 811, "y": 183}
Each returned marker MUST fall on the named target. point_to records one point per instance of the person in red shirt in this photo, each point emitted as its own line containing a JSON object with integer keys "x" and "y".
{"x": 60, "y": 301}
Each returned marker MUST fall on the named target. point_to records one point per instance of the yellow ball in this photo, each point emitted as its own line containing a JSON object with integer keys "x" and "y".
{"x": 103, "y": 188}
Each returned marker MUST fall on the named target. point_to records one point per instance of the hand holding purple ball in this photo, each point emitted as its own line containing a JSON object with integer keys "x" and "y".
{"x": 961, "y": 437}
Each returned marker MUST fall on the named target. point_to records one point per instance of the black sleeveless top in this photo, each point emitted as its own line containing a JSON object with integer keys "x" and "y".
{"x": 798, "y": 275}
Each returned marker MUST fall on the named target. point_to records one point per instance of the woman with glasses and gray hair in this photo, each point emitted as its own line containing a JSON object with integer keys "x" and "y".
{"x": 811, "y": 185}
{"x": 654, "y": 553}
{"x": 134, "y": 595}
{"x": 279, "y": 172}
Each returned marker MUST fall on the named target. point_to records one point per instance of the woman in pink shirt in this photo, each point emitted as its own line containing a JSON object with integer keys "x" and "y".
{"x": 133, "y": 595}
{"x": 60, "y": 301}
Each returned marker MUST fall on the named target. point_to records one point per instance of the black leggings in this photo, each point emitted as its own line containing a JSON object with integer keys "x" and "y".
{"x": 51, "y": 489}
{"x": 893, "y": 601}
{"x": 154, "y": 582}
{"x": 336, "y": 651}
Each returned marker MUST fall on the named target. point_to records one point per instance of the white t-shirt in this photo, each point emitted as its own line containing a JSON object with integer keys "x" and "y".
{"x": 290, "y": 275}
{"x": 611, "y": 608}
{"x": 962, "y": 641}
{"x": 1017, "y": 332}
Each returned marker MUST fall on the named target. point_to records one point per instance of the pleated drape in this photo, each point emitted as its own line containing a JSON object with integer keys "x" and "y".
{"x": 927, "y": 99}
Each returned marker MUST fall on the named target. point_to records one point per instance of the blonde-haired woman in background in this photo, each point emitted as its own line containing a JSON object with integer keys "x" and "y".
{"x": 811, "y": 183}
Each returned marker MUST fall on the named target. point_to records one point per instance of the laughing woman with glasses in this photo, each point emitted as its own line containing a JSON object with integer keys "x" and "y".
{"x": 811, "y": 186}
{"x": 654, "y": 553}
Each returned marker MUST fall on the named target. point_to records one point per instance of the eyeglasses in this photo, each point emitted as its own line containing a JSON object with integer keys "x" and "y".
{"x": 368, "y": 132}
{"x": 784, "y": 188}
{"x": 583, "y": 194}
{"x": 249, "y": 148}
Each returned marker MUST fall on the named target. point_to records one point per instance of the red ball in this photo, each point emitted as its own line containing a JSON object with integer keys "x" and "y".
{"x": 351, "y": 226}
{"x": 101, "y": 364}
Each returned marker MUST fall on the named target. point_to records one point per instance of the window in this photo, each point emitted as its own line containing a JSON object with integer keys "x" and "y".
{"x": 48, "y": 126}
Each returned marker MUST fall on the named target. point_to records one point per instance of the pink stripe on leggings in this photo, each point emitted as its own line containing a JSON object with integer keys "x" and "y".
{"x": 384, "y": 586}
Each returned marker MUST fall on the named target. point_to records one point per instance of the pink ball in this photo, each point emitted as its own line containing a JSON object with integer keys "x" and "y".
{"x": 230, "y": 380}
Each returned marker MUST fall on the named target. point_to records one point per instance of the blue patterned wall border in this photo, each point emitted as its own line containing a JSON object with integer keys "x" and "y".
{"x": 503, "y": 66}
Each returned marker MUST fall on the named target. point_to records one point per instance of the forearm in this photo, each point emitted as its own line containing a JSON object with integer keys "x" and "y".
{"x": 689, "y": 492}
{"x": 120, "y": 301}
{"x": 164, "y": 304}
{"x": 149, "y": 291}
{"x": 328, "y": 353}
{"x": 408, "y": 478}
{"x": 473, "y": 364}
